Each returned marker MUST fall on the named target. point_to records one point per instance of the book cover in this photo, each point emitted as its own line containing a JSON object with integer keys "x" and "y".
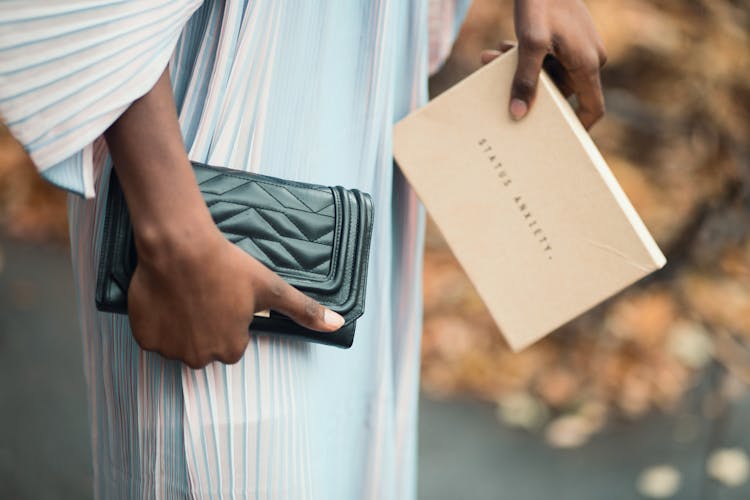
{"x": 530, "y": 209}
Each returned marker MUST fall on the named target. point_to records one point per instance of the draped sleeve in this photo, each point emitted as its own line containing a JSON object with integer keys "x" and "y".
{"x": 70, "y": 69}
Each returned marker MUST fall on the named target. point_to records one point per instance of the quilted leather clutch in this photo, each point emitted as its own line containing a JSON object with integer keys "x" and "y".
{"x": 317, "y": 238}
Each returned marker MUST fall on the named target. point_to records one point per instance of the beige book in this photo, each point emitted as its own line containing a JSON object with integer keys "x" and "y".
{"x": 530, "y": 209}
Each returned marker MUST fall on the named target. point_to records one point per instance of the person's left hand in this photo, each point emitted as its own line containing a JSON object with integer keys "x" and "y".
{"x": 562, "y": 29}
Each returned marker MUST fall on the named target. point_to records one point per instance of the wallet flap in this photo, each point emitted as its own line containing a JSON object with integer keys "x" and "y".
{"x": 291, "y": 230}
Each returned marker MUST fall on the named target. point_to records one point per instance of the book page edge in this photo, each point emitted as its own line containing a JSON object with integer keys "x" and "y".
{"x": 657, "y": 257}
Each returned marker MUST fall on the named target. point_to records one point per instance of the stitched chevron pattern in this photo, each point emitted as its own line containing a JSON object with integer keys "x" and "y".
{"x": 285, "y": 227}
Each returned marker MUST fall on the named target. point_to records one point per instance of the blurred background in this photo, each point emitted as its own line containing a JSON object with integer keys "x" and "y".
{"x": 644, "y": 397}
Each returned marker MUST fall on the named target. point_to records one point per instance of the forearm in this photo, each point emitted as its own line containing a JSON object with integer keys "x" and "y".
{"x": 154, "y": 171}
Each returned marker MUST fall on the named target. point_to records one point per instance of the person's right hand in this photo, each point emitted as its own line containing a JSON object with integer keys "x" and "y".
{"x": 192, "y": 298}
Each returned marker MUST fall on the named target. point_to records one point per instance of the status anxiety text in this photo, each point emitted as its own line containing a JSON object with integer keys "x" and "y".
{"x": 523, "y": 208}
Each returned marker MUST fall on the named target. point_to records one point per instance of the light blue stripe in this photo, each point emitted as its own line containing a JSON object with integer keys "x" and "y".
{"x": 212, "y": 405}
{"x": 193, "y": 109}
{"x": 272, "y": 458}
{"x": 53, "y": 38}
{"x": 161, "y": 43}
{"x": 194, "y": 453}
{"x": 230, "y": 448}
{"x": 245, "y": 464}
{"x": 226, "y": 67}
{"x": 67, "y": 175}
{"x": 88, "y": 8}
{"x": 258, "y": 410}
{"x": 185, "y": 52}
{"x": 206, "y": 145}
{"x": 202, "y": 426}
{"x": 75, "y": 71}
{"x": 38, "y": 143}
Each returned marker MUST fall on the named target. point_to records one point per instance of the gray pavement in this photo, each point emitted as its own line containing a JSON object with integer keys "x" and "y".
{"x": 464, "y": 453}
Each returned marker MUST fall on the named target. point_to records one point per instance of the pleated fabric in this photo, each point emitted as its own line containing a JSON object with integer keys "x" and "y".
{"x": 301, "y": 90}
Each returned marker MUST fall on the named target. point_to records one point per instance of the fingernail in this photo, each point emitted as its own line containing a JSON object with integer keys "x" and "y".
{"x": 488, "y": 55}
{"x": 518, "y": 108}
{"x": 333, "y": 319}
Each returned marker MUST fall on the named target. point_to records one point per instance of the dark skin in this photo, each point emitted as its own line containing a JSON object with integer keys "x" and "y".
{"x": 193, "y": 293}
{"x": 559, "y": 35}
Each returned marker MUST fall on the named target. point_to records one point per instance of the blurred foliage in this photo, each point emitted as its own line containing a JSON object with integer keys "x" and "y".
{"x": 677, "y": 136}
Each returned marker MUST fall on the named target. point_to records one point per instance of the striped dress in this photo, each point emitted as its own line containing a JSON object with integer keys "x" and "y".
{"x": 305, "y": 90}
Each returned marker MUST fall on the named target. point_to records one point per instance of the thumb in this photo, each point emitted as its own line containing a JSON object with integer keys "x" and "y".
{"x": 277, "y": 294}
{"x": 525, "y": 80}
{"x": 489, "y": 55}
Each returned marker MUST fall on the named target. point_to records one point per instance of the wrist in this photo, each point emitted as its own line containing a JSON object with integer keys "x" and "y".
{"x": 186, "y": 233}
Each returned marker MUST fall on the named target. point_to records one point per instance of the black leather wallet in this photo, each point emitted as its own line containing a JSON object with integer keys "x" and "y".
{"x": 317, "y": 238}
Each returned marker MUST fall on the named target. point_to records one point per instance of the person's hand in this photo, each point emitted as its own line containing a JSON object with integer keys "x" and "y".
{"x": 564, "y": 30}
{"x": 193, "y": 294}
{"x": 192, "y": 298}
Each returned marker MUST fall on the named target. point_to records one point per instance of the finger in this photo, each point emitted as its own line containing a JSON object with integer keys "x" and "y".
{"x": 591, "y": 103}
{"x": 506, "y": 45}
{"x": 278, "y": 295}
{"x": 191, "y": 358}
{"x": 587, "y": 85}
{"x": 601, "y": 54}
{"x": 194, "y": 362}
{"x": 558, "y": 74}
{"x": 531, "y": 54}
{"x": 234, "y": 352}
{"x": 489, "y": 55}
